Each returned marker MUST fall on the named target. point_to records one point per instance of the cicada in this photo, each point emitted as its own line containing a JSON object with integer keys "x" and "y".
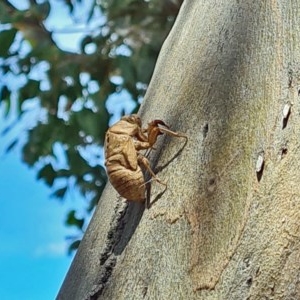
{"x": 124, "y": 161}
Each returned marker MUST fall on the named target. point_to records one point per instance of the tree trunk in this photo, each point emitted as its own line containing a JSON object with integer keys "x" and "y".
{"x": 227, "y": 226}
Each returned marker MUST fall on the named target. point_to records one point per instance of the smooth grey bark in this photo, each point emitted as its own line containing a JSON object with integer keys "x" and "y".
{"x": 227, "y": 227}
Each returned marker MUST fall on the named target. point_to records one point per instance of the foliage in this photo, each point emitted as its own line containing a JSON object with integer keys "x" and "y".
{"x": 71, "y": 89}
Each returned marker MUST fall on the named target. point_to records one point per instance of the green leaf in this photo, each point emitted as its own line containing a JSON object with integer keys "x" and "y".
{"x": 4, "y": 93}
{"x": 48, "y": 174}
{"x": 5, "y": 97}
{"x": 72, "y": 220}
{"x": 60, "y": 193}
{"x": 74, "y": 246}
{"x": 29, "y": 90}
{"x": 6, "y": 39}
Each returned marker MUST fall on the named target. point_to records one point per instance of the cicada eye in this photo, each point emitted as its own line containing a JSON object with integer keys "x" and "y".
{"x": 135, "y": 119}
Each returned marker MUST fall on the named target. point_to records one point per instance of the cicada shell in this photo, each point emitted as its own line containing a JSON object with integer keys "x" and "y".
{"x": 123, "y": 143}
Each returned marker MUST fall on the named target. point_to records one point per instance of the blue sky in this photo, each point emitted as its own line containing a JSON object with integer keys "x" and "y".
{"x": 33, "y": 255}
{"x": 33, "y": 249}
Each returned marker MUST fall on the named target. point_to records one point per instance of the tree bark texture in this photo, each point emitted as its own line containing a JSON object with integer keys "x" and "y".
{"x": 227, "y": 226}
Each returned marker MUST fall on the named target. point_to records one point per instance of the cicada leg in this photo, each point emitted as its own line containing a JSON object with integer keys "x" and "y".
{"x": 145, "y": 162}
